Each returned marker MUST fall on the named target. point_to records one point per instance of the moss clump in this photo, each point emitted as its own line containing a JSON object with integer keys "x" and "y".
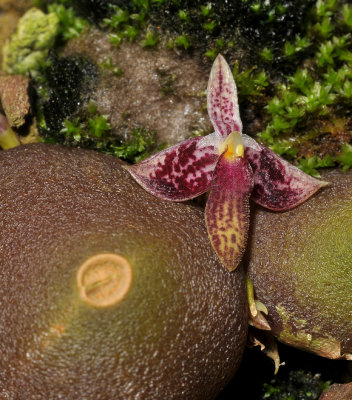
{"x": 128, "y": 23}
{"x": 38, "y": 32}
{"x": 70, "y": 25}
{"x": 308, "y": 118}
{"x": 28, "y": 47}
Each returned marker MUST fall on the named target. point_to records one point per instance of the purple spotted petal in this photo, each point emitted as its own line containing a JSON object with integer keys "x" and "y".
{"x": 278, "y": 185}
{"x": 180, "y": 172}
{"x": 227, "y": 209}
{"x": 222, "y": 99}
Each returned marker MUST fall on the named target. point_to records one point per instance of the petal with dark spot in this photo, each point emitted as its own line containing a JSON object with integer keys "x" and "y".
{"x": 181, "y": 172}
{"x": 227, "y": 209}
{"x": 278, "y": 185}
{"x": 222, "y": 100}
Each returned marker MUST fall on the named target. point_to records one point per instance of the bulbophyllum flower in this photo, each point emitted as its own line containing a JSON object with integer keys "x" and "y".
{"x": 234, "y": 167}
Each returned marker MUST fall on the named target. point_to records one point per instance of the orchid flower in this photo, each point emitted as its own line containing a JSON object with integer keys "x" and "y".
{"x": 234, "y": 167}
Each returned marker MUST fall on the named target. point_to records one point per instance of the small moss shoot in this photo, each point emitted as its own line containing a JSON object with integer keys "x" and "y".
{"x": 151, "y": 39}
{"x": 109, "y": 66}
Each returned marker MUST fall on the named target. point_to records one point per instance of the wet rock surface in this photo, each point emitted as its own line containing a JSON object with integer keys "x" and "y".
{"x": 157, "y": 89}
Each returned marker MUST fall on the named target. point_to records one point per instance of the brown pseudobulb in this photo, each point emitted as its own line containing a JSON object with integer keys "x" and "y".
{"x": 107, "y": 292}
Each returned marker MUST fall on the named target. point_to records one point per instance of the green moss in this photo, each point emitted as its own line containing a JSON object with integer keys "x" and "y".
{"x": 298, "y": 45}
{"x": 151, "y": 39}
{"x": 139, "y": 146}
{"x": 183, "y": 41}
{"x": 315, "y": 94}
{"x": 127, "y": 24}
{"x": 257, "y": 22}
{"x": 212, "y": 53}
{"x": 202, "y": 22}
{"x": 250, "y": 82}
{"x": 210, "y": 26}
{"x": 347, "y": 15}
{"x": 345, "y": 157}
{"x": 183, "y": 15}
{"x": 84, "y": 132}
{"x": 310, "y": 165}
{"x": 109, "y": 66}
{"x": 206, "y": 9}
{"x": 37, "y": 32}
{"x": 28, "y": 47}
{"x": 70, "y": 25}
{"x": 266, "y": 54}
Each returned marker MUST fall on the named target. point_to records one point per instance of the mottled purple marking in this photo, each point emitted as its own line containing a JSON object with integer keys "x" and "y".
{"x": 278, "y": 185}
{"x": 222, "y": 99}
{"x": 179, "y": 173}
{"x": 227, "y": 209}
